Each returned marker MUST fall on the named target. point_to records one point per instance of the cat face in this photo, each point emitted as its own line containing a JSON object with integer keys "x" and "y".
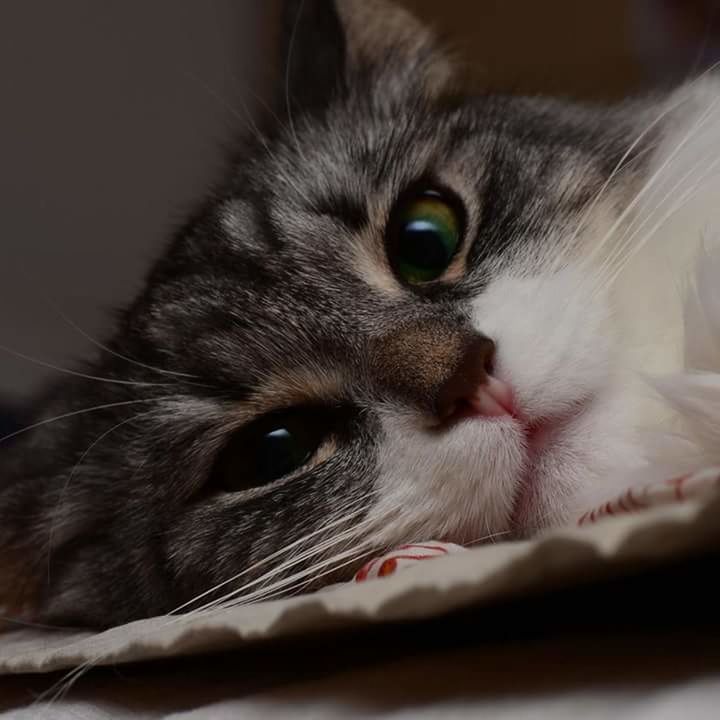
{"x": 378, "y": 330}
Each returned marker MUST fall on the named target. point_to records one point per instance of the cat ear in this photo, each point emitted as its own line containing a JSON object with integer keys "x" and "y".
{"x": 313, "y": 54}
{"x": 332, "y": 45}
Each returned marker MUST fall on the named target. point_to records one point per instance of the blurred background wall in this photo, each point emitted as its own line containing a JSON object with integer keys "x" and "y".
{"x": 113, "y": 115}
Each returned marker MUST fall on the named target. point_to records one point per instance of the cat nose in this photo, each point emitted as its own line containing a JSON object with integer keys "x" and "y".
{"x": 472, "y": 390}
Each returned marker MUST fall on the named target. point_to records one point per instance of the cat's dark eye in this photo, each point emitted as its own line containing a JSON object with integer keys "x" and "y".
{"x": 424, "y": 235}
{"x": 272, "y": 447}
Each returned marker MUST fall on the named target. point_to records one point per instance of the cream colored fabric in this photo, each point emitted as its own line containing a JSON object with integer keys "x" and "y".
{"x": 470, "y": 579}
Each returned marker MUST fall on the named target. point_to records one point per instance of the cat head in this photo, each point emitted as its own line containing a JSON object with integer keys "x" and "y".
{"x": 377, "y": 330}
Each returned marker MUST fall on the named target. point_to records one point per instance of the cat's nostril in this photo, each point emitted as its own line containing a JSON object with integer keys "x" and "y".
{"x": 472, "y": 389}
{"x": 489, "y": 363}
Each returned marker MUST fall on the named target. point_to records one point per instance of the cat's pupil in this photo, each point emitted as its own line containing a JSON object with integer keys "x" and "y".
{"x": 280, "y": 452}
{"x": 272, "y": 447}
{"x": 422, "y": 246}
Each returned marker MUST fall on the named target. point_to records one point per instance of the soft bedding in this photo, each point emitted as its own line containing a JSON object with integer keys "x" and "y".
{"x": 442, "y": 638}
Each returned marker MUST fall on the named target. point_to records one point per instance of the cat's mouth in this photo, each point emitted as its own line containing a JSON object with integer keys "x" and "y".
{"x": 541, "y": 449}
{"x": 543, "y": 438}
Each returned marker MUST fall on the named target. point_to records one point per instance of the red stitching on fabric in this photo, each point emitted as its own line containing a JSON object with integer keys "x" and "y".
{"x": 679, "y": 493}
{"x": 412, "y": 557}
{"x": 423, "y": 547}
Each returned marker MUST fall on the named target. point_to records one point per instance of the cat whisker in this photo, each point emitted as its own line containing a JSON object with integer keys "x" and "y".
{"x": 53, "y": 306}
{"x": 77, "y": 373}
{"x": 62, "y": 687}
{"x": 492, "y": 537}
{"x": 304, "y": 576}
{"x": 288, "y": 103}
{"x": 297, "y": 543}
{"x": 163, "y": 371}
{"x": 649, "y": 188}
{"x": 217, "y": 604}
{"x": 278, "y": 570}
{"x": 682, "y": 201}
{"x": 654, "y": 178}
{"x": 367, "y": 546}
{"x": 75, "y": 413}
{"x": 624, "y": 162}
{"x": 19, "y": 622}
{"x": 627, "y": 251}
{"x": 286, "y": 590}
{"x": 248, "y": 119}
{"x": 622, "y": 244}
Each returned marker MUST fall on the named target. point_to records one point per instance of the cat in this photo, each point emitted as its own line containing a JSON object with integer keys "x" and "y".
{"x": 410, "y": 311}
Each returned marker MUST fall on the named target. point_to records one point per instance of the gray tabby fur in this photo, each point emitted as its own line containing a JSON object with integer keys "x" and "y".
{"x": 278, "y": 292}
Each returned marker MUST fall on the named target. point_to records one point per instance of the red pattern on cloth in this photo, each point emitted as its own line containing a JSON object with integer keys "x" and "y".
{"x": 680, "y": 489}
{"x": 687, "y": 487}
{"x": 404, "y": 556}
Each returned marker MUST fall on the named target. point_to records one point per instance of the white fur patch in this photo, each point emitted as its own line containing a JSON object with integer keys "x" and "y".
{"x": 576, "y": 342}
{"x": 464, "y": 483}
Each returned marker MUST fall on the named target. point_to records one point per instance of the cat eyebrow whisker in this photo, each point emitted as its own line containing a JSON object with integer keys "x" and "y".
{"x": 75, "y": 413}
{"x": 77, "y": 373}
{"x": 248, "y": 119}
{"x": 288, "y": 104}
{"x": 621, "y": 164}
{"x": 52, "y": 305}
{"x": 655, "y": 177}
{"x": 69, "y": 321}
{"x": 658, "y": 174}
{"x": 626, "y": 251}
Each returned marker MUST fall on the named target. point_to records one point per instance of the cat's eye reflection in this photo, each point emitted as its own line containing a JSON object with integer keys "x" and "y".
{"x": 424, "y": 235}
{"x": 272, "y": 447}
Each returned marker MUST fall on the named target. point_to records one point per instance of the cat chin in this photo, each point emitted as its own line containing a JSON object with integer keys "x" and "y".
{"x": 496, "y": 478}
{"x": 457, "y": 483}
{"x": 576, "y": 463}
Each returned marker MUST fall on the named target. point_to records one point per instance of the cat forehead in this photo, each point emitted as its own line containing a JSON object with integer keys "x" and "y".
{"x": 351, "y": 164}
{"x": 364, "y": 154}
{"x": 329, "y": 185}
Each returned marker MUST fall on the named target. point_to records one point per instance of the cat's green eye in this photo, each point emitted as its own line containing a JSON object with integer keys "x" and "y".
{"x": 424, "y": 235}
{"x": 271, "y": 448}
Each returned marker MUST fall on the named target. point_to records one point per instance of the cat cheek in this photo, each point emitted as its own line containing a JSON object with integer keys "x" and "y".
{"x": 554, "y": 346}
{"x": 456, "y": 486}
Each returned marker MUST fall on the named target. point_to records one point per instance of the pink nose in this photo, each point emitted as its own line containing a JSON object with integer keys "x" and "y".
{"x": 472, "y": 390}
{"x": 493, "y": 398}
